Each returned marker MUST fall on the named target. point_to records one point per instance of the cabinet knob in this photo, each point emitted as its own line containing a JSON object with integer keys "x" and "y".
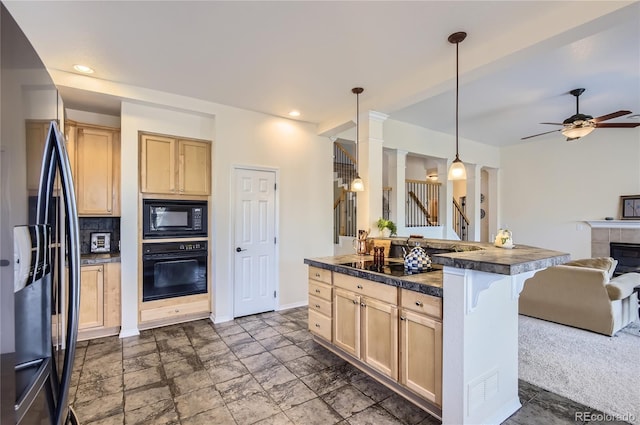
{"x": 317, "y": 291}
{"x": 359, "y": 286}
{"x": 354, "y": 301}
{"x": 317, "y": 305}
{"x": 177, "y": 311}
{"x": 317, "y": 274}
{"x": 317, "y": 325}
{"x": 363, "y": 305}
{"x": 419, "y": 303}
{"x": 403, "y": 318}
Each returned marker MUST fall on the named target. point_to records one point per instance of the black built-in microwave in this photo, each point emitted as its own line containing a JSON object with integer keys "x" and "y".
{"x": 172, "y": 218}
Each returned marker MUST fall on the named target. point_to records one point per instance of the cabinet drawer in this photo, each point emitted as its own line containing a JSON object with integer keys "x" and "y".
{"x": 174, "y": 310}
{"x": 320, "y": 305}
{"x": 320, "y": 290}
{"x": 371, "y": 289}
{"x": 319, "y": 274}
{"x": 421, "y": 303}
{"x": 320, "y": 325}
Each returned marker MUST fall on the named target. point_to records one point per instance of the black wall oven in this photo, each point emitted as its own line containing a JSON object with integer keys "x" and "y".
{"x": 173, "y": 269}
{"x": 171, "y": 218}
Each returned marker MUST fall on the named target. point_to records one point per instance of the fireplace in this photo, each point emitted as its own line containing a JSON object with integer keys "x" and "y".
{"x": 628, "y": 256}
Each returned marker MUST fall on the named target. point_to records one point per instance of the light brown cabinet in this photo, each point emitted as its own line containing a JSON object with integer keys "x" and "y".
{"x": 36, "y": 133}
{"x": 395, "y": 333}
{"x": 421, "y": 344}
{"x": 366, "y": 322}
{"x": 99, "y": 300}
{"x": 320, "y": 305}
{"x": 91, "y": 297}
{"x": 95, "y": 155}
{"x": 174, "y": 166}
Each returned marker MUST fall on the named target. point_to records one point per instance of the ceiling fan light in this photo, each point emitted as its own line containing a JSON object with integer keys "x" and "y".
{"x": 357, "y": 185}
{"x": 576, "y": 132}
{"x": 457, "y": 171}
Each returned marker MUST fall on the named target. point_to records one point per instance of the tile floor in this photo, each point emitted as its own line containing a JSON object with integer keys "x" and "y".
{"x": 261, "y": 369}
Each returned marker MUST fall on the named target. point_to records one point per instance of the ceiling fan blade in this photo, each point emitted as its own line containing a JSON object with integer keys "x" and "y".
{"x": 540, "y": 134}
{"x": 611, "y": 116}
{"x": 617, "y": 124}
{"x": 552, "y": 123}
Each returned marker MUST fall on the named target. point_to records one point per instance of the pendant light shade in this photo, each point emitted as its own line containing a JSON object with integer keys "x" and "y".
{"x": 457, "y": 171}
{"x": 357, "y": 185}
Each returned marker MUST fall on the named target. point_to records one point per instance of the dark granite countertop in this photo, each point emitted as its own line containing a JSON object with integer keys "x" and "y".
{"x": 466, "y": 255}
{"x": 87, "y": 259}
{"x": 427, "y": 283}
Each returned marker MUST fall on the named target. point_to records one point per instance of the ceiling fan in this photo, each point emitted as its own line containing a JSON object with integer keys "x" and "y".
{"x": 579, "y": 125}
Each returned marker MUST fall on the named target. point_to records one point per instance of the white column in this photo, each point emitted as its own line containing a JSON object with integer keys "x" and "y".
{"x": 474, "y": 180}
{"x": 397, "y": 177}
{"x": 370, "y": 168}
{"x": 480, "y": 346}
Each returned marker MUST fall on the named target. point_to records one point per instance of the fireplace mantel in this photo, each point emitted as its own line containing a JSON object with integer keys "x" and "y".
{"x": 614, "y": 224}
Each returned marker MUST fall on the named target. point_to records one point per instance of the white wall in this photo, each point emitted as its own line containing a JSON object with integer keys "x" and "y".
{"x": 549, "y": 186}
{"x": 304, "y": 164}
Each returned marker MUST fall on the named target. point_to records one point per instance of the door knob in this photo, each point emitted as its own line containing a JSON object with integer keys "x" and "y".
{"x": 238, "y": 249}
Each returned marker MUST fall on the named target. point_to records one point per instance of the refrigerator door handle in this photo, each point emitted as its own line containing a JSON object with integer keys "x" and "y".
{"x": 56, "y": 157}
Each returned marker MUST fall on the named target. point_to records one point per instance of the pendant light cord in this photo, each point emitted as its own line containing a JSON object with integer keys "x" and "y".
{"x": 457, "y": 94}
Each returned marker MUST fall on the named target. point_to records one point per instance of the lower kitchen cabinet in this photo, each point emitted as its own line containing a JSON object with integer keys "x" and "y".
{"x": 320, "y": 306}
{"x": 99, "y": 300}
{"x": 380, "y": 336}
{"x": 171, "y": 310}
{"x": 346, "y": 321}
{"x": 421, "y": 355}
{"x": 366, "y": 327}
{"x": 393, "y": 333}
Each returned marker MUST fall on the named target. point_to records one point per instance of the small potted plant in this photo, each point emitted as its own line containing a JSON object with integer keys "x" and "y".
{"x": 387, "y": 227}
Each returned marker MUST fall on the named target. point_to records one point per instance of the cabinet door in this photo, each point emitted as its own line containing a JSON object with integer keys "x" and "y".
{"x": 91, "y": 297}
{"x": 94, "y": 176}
{"x": 346, "y": 321}
{"x": 421, "y": 355}
{"x": 36, "y": 133}
{"x": 194, "y": 174}
{"x": 380, "y": 336}
{"x": 157, "y": 164}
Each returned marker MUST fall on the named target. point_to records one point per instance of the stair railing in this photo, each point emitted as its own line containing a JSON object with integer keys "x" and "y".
{"x": 422, "y": 203}
{"x": 460, "y": 221}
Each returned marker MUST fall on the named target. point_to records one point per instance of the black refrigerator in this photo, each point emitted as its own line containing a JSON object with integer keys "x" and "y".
{"x": 39, "y": 247}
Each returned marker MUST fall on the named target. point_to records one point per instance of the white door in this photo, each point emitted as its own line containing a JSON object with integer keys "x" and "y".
{"x": 255, "y": 243}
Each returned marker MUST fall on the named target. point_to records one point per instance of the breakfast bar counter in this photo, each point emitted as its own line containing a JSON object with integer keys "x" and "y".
{"x": 469, "y": 325}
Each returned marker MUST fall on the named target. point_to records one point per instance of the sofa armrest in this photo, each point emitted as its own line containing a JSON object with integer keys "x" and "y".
{"x": 622, "y": 286}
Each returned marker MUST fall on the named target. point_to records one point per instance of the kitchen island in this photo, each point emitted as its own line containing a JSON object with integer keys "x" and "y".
{"x": 447, "y": 339}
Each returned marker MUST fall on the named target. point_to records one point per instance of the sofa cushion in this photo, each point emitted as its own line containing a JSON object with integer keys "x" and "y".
{"x": 622, "y": 286}
{"x": 601, "y": 263}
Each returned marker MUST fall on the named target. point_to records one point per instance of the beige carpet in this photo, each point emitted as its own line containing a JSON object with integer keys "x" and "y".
{"x": 596, "y": 370}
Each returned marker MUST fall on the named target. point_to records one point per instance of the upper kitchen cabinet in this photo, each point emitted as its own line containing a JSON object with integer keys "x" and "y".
{"x": 36, "y": 134}
{"x": 175, "y": 166}
{"x": 95, "y": 152}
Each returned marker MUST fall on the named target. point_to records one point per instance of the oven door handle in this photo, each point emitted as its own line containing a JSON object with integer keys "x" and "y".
{"x": 173, "y": 256}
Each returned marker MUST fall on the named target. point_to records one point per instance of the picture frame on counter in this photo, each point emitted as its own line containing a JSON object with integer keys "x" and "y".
{"x": 630, "y": 207}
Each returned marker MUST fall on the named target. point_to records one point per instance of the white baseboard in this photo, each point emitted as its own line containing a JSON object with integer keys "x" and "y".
{"x": 124, "y": 333}
{"x": 221, "y": 319}
{"x": 292, "y": 305}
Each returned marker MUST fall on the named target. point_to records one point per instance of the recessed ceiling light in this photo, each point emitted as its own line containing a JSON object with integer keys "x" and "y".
{"x": 294, "y": 113}
{"x": 83, "y": 68}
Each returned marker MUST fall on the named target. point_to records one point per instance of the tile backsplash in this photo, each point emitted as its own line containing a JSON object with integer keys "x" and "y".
{"x": 89, "y": 225}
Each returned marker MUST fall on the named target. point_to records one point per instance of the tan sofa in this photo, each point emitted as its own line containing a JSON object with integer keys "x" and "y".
{"x": 582, "y": 294}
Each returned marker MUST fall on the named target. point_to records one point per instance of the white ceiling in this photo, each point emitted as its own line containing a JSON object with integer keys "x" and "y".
{"x": 517, "y": 64}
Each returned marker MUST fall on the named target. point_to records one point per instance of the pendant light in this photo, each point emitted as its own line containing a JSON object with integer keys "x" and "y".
{"x": 457, "y": 170}
{"x": 357, "y": 185}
